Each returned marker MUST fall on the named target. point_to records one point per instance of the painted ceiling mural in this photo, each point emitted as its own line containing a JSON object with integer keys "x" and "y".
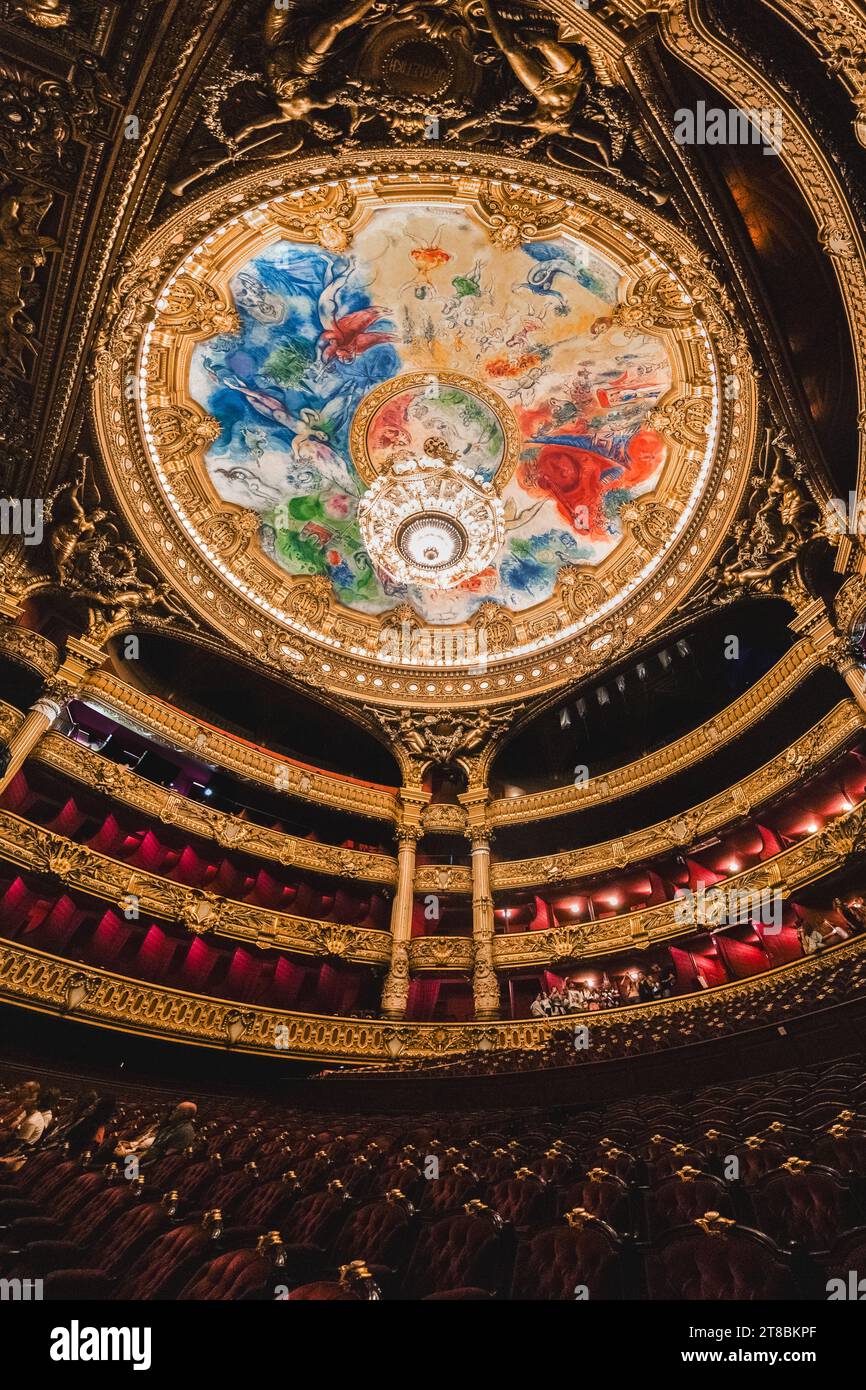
{"x": 510, "y": 343}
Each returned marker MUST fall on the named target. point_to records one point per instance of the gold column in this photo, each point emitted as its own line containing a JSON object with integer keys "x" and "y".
{"x": 81, "y": 658}
{"x": 25, "y": 738}
{"x": 485, "y": 985}
{"x": 395, "y": 992}
{"x": 833, "y": 648}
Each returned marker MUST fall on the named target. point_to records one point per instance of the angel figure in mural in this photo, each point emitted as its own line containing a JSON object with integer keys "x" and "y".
{"x": 298, "y": 46}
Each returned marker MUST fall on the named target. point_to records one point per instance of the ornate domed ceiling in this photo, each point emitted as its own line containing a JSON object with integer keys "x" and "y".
{"x": 430, "y": 419}
{"x": 429, "y": 372}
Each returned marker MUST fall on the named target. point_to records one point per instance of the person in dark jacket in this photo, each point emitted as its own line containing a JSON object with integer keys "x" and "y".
{"x": 174, "y": 1135}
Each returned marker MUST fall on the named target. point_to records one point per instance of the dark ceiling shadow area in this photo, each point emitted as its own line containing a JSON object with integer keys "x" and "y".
{"x": 671, "y": 796}
{"x": 228, "y": 694}
{"x": 647, "y": 701}
{"x": 779, "y": 230}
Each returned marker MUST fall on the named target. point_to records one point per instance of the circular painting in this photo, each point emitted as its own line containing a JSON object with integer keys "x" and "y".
{"x": 518, "y": 371}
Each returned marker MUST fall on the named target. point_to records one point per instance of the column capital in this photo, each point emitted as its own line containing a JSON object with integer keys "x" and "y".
{"x": 408, "y": 834}
{"x": 842, "y": 654}
{"x": 812, "y": 620}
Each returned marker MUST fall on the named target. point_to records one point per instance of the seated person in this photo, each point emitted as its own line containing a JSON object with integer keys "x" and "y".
{"x": 557, "y": 1002}
{"x": 812, "y": 939}
{"x": 174, "y": 1134}
{"x": 667, "y": 982}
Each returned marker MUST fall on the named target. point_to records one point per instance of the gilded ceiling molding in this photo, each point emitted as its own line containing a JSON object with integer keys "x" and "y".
{"x": 204, "y": 548}
{"x": 836, "y": 29}
{"x": 688, "y": 36}
{"x": 199, "y": 910}
{"x": 39, "y": 981}
{"x": 184, "y": 732}
{"x": 730, "y": 723}
{"x": 228, "y": 831}
{"x": 802, "y": 758}
{"x": 125, "y": 188}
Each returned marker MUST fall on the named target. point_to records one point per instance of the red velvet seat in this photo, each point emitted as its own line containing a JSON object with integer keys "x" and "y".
{"x": 236, "y": 1274}
{"x": 721, "y": 1264}
{"x": 91, "y": 1271}
{"x": 844, "y": 1149}
{"x": 524, "y": 1201}
{"x": 810, "y": 1207}
{"x": 230, "y": 1189}
{"x": 471, "y": 1251}
{"x": 380, "y": 1234}
{"x": 267, "y": 1204}
{"x": 672, "y": 1160}
{"x": 168, "y": 1263}
{"x": 602, "y": 1194}
{"x": 847, "y": 1254}
{"x": 449, "y": 1194}
{"x": 64, "y": 1205}
{"x": 681, "y": 1198}
{"x": 576, "y": 1259}
{"x": 756, "y": 1158}
{"x": 315, "y": 1220}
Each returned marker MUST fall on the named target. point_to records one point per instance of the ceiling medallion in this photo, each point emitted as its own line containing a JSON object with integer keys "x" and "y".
{"x": 431, "y": 521}
{"x": 357, "y": 375}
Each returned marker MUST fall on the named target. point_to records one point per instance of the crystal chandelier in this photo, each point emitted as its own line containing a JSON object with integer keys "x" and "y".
{"x": 431, "y": 520}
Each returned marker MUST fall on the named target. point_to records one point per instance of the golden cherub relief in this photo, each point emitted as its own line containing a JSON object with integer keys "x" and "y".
{"x": 451, "y": 72}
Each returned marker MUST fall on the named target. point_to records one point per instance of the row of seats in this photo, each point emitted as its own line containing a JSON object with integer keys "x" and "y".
{"x": 754, "y": 1191}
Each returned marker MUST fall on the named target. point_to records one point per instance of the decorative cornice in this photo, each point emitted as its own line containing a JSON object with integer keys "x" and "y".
{"x": 88, "y": 871}
{"x": 230, "y": 832}
{"x": 29, "y": 648}
{"x": 730, "y": 723}
{"x": 793, "y": 868}
{"x": 678, "y": 832}
{"x": 211, "y": 746}
{"x": 37, "y": 980}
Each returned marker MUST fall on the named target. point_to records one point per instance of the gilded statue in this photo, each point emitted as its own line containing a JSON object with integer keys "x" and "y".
{"x": 767, "y": 548}
{"x": 91, "y": 561}
{"x": 298, "y": 49}
{"x": 23, "y": 251}
{"x": 555, "y": 75}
